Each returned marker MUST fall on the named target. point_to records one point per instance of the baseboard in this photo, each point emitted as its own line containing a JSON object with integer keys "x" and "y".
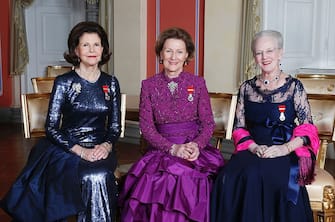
{"x": 10, "y": 115}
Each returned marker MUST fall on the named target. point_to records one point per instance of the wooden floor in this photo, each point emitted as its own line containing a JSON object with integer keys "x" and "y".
{"x": 14, "y": 150}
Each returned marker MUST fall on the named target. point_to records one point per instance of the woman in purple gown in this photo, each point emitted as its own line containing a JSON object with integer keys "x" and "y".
{"x": 71, "y": 172}
{"x": 172, "y": 181}
{"x": 274, "y": 157}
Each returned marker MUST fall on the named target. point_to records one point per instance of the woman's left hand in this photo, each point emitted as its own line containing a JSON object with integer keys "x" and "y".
{"x": 193, "y": 150}
{"x": 275, "y": 151}
{"x": 101, "y": 151}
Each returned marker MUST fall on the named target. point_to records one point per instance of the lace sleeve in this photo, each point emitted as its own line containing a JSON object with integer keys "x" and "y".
{"x": 239, "y": 121}
{"x": 301, "y": 104}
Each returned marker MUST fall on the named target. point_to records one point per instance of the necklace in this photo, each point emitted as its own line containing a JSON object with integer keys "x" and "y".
{"x": 89, "y": 76}
{"x": 172, "y": 86}
{"x": 266, "y": 82}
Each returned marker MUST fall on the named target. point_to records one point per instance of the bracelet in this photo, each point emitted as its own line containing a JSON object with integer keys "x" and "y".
{"x": 109, "y": 143}
{"x": 82, "y": 154}
{"x": 288, "y": 147}
{"x": 172, "y": 149}
{"x": 108, "y": 146}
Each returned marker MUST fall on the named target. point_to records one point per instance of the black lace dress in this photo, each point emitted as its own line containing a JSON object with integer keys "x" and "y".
{"x": 250, "y": 188}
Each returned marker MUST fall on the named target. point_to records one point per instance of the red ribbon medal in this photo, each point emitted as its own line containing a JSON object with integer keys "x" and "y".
{"x": 106, "y": 91}
{"x": 190, "y": 90}
{"x": 282, "y": 109}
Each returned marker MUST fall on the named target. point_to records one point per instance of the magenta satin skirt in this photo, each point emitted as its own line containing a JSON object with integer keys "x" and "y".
{"x": 161, "y": 187}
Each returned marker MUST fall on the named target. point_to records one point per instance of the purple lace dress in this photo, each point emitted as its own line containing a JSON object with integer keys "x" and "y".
{"x": 161, "y": 187}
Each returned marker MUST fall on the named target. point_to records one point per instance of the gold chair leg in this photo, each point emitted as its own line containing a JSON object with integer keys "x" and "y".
{"x": 325, "y": 216}
{"x": 315, "y": 216}
{"x": 218, "y": 143}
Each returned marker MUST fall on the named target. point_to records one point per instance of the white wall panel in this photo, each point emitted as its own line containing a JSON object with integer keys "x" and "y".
{"x": 308, "y": 30}
{"x": 299, "y": 35}
{"x": 48, "y": 23}
{"x": 222, "y": 45}
{"x": 331, "y": 35}
{"x": 56, "y": 27}
{"x": 130, "y": 19}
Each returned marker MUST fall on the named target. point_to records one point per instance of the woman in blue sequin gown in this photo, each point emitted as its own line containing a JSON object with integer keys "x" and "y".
{"x": 71, "y": 171}
{"x": 275, "y": 146}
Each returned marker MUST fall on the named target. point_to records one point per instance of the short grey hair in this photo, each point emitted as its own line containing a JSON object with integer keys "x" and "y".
{"x": 277, "y": 36}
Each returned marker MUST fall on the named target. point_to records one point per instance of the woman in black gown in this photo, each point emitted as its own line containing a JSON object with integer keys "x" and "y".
{"x": 274, "y": 157}
{"x": 70, "y": 172}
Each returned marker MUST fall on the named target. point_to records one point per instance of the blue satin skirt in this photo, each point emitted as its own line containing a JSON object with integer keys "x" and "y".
{"x": 250, "y": 188}
{"x": 56, "y": 184}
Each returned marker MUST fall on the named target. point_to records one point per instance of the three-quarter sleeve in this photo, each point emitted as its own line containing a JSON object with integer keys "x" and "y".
{"x": 241, "y": 136}
{"x": 301, "y": 104}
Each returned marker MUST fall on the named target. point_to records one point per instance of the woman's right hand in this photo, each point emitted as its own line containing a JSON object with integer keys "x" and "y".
{"x": 189, "y": 151}
{"x": 193, "y": 150}
{"x": 258, "y": 149}
{"x": 276, "y": 151}
{"x": 84, "y": 153}
{"x": 178, "y": 150}
{"x": 95, "y": 154}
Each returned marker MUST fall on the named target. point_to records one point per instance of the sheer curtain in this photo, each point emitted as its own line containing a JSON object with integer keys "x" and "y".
{"x": 19, "y": 57}
{"x": 252, "y": 13}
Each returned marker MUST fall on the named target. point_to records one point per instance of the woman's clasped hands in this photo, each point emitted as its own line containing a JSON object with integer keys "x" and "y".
{"x": 188, "y": 151}
{"x": 99, "y": 152}
{"x": 264, "y": 151}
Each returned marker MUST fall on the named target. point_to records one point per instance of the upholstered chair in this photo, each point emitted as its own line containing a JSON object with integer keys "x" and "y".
{"x": 53, "y": 71}
{"x": 34, "y": 112}
{"x": 223, "y": 108}
{"x": 321, "y": 191}
{"x": 42, "y": 84}
{"x": 318, "y": 83}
